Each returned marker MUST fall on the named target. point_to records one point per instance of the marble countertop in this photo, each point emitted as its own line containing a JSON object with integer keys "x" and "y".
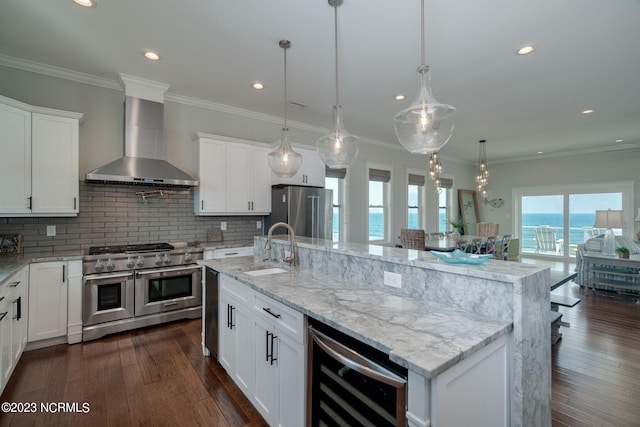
{"x": 10, "y": 264}
{"x": 425, "y": 337}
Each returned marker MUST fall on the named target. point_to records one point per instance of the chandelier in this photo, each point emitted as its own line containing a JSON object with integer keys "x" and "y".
{"x": 435, "y": 170}
{"x": 482, "y": 176}
{"x": 426, "y": 125}
{"x": 283, "y": 161}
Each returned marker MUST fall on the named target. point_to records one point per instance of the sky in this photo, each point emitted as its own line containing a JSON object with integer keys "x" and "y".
{"x": 578, "y": 203}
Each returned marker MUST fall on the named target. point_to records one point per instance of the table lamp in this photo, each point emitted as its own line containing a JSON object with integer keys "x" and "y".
{"x": 609, "y": 219}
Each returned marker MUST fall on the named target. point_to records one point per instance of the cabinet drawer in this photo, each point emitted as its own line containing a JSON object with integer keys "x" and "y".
{"x": 228, "y": 252}
{"x": 287, "y": 319}
{"x": 236, "y": 289}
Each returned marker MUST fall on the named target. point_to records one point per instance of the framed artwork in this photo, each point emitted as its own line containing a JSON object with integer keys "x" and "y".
{"x": 468, "y": 210}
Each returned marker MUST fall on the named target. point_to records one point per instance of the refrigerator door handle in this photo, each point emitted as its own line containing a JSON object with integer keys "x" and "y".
{"x": 315, "y": 216}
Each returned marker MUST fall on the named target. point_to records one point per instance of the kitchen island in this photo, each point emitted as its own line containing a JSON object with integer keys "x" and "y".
{"x": 441, "y": 317}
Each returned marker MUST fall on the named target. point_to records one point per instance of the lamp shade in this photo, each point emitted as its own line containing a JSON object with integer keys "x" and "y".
{"x": 609, "y": 219}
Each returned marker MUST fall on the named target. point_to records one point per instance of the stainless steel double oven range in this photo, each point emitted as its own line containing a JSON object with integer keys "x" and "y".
{"x": 132, "y": 286}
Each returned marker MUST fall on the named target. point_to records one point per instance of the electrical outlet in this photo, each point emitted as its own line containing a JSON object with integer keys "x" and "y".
{"x": 393, "y": 279}
{"x": 51, "y": 230}
{"x": 223, "y": 225}
{"x": 258, "y": 224}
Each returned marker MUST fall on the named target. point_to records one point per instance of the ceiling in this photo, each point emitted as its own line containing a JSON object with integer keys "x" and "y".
{"x": 587, "y": 57}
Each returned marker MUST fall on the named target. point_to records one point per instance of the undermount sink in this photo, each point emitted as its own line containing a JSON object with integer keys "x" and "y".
{"x": 265, "y": 271}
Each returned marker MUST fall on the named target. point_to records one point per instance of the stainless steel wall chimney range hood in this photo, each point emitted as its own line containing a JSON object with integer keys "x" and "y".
{"x": 143, "y": 162}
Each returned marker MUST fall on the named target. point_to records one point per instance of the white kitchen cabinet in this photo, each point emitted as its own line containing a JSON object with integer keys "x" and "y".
{"x": 228, "y": 252}
{"x": 269, "y": 364}
{"x": 235, "y": 178}
{"x": 48, "y": 285}
{"x": 248, "y": 179}
{"x": 55, "y": 164}
{"x": 311, "y": 172}
{"x": 210, "y": 196}
{"x": 39, "y": 166}
{"x": 279, "y": 337}
{"x": 13, "y": 323}
{"x": 15, "y": 162}
{"x": 235, "y": 345}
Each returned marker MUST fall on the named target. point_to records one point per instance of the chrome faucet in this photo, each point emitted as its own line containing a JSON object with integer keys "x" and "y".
{"x": 291, "y": 259}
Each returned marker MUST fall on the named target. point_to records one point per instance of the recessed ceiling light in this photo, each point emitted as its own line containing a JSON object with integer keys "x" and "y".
{"x": 526, "y": 49}
{"x": 86, "y": 3}
{"x": 152, "y": 56}
{"x": 589, "y": 111}
{"x": 619, "y": 140}
{"x": 257, "y": 85}
{"x": 400, "y": 97}
{"x": 540, "y": 152}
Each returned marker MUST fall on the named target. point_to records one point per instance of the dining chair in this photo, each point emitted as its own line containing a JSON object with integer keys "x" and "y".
{"x": 486, "y": 229}
{"x": 412, "y": 238}
{"x": 489, "y": 245}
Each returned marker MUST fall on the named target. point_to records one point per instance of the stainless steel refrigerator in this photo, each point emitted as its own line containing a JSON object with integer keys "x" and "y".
{"x": 308, "y": 210}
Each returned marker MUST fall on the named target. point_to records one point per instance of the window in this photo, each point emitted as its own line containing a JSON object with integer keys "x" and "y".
{"x": 335, "y": 180}
{"x": 415, "y": 200}
{"x": 379, "y": 204}
{"x": 444, "y": 204}
{"x": 554, "y": 221}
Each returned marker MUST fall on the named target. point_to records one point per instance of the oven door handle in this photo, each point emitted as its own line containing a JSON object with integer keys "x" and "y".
{"x": 166, "y": 270}
{"x": 107, "y": 276}
{"x": 355, "y": 361}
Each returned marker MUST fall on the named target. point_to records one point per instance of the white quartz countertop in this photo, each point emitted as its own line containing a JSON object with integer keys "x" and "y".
{"x": 425, "y": 337}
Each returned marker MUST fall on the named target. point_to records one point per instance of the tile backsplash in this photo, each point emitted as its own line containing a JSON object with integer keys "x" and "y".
{"x": 114, "y": 214}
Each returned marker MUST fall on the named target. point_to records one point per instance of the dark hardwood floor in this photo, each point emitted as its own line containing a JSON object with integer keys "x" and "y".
{"x": 596, "y": 364}
{"x": 158, "y": 376}
{"x": 149, "y": 377}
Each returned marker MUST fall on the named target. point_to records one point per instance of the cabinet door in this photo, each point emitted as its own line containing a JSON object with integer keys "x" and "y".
{"x": 19, "y": 313}
{"x": 210, "y": 195}
{"x": 15, "y": 161}
{"x": 291, "y": 382}
{"x": 260, "y": 182}
{"x": 47, "y": 300}
{"x": 55, "y": 164}
{"x": 239, "y": 178}
{"x": 6, "y": 359}
{"x": 266, "y": 360}
{"x": 235, "y": 349}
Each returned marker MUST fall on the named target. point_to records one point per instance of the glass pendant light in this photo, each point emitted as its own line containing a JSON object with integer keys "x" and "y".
{"x": 426, "y": 125}
{"x": 285, "y": 162}
{"x": 482, "y": 176}
{"x": 338, "y": 149}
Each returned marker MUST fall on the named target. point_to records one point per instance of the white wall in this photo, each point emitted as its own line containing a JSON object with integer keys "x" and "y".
{"x": 101, "y": 140}
{"x": 567, "y": 170}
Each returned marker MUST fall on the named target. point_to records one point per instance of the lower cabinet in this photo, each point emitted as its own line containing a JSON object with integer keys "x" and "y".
{"x": 48, "y": 285}
{"x": 234, "y": 352}
{"x": 13, "y": 322}
{"x": 267, "y": 361}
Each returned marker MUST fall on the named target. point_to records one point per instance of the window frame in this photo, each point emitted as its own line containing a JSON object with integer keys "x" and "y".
{"x": 341, "y": 207}
{"x": 422, "y": 197}
{"x": 386, "y": 202}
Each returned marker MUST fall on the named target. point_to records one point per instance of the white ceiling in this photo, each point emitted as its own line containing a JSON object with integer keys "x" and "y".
{"x": 587, "y": 57}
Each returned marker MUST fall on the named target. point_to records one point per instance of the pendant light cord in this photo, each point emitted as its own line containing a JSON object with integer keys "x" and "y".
{"x": 422, "y": 32}
{"x": 335, "y": 33}
{"x": 285, "y": 88}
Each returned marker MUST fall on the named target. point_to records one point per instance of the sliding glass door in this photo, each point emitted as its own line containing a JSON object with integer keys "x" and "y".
{"x": 553, "y": 221}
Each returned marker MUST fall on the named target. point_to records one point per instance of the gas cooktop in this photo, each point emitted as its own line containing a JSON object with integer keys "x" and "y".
{"x": 130, "y": 249}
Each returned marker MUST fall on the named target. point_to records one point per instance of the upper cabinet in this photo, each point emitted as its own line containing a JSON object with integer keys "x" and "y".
{"x": 39, "y": 165}
{"x": 235, "y": 178}
{"x": 311, "y": 173}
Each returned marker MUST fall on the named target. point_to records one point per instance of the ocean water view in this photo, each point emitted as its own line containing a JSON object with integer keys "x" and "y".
{"x": 580, "y": 227}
